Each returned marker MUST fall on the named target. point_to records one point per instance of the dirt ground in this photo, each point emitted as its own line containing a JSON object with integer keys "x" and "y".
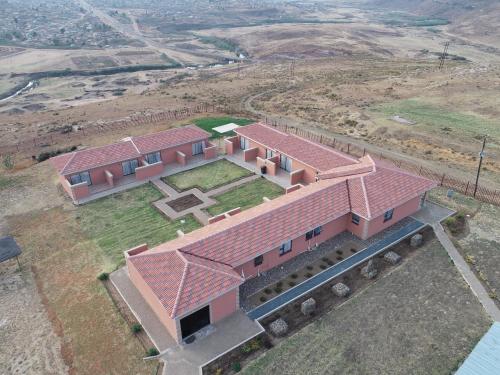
{"x": 399, "y": 325}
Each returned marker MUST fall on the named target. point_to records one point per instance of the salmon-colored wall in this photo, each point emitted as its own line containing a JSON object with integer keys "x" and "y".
{"x": 357, "y": 229}
{"x": 406, "y": 209}
{"x": 80, "y": 191}
{"x": 309, "y": 175}
{"x": 148, "y": 171}
{"x": 98, "y": 175}
{"x": 299, "y": 245}
{"x": 210, "y": 152}
{"x": 66, "y": 186}
{"x": 232, "y": 144}
{"x": 224, "y": 305}
{"x": 169, "y": 155}
{"x": 159, "y": 310}
{"x": 296, "y": 176}
{"x": 250, "y": 154}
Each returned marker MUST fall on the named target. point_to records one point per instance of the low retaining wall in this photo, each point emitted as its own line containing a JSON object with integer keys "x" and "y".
{"x": 148, "y": 171}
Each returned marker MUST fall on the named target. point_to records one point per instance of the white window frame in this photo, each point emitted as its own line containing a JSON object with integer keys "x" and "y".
{"x": 286, "y": 247}
{"x": 78, "y": 178}
{"x": 197, "y": 148}
{"x": 269, "y": 153}
{"x": 153, "y": 157}
{"x": 244, "y": 143}
{"x": 388, "y": 215}
{"x": 129, "y": 167}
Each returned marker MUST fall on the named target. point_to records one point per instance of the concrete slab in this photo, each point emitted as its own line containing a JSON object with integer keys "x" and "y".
{"x": 432, "y": 213}
{"x": 143, "y": 313}
{"x": 188, "y": 359}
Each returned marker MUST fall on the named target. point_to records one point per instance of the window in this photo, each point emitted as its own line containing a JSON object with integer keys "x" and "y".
{"x": 129, "y": 167}
{"x": 244, "y": 144}
{"x": 309, "y": 235}
{"x": 285, "y": 163}
{"x": 286, "y": 247}
{"x": 197, "y": 148}
{"x": 269, "y": 153}
{"x": 258, "y": 260}
{"x": 355, "y": 219}
{"x": 388, "y": 215}
{"x": 153, "y": 158}
{"x": 318, "y": 230}
{"x": 81, "y": 177}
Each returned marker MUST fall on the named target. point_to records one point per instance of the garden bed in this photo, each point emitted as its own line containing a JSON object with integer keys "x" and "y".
{"x": 185, "y": 202}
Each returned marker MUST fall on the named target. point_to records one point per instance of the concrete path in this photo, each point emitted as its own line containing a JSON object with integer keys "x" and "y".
{"x": 197, "y": 211}
{"x": 477, "y": 288}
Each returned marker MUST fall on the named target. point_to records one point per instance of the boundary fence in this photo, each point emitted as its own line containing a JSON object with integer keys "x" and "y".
{"x": 38, "y": 143}
{"x": 466, "y": 187}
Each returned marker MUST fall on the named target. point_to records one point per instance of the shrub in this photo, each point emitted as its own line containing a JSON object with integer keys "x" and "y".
{"x": 339, "y": 258}
{"x": 322, "y": 266}
{"x": 278, "y": 290}
{"x": 136, "y": 328}
{"x": 251, "y": 346}
{"x": 330, "y": 262}
{"x": 353, "y": 250}
{"x": 291, "y": 283}
{"x": 310, "y": 268}
{"x": 103, "y": 276}
{"x": 460, "y": 215}
{"x": 152, "y": 352}
{"x": 339, "y": 252}
{"x": 236, "y": 366}
{"x": 279, "y": 284}
{"x": 309, "y": 274}
{"x": 7, "y": 162}
{"x": 262, "y": 299}
{"x": 48, "y": 154}
{"x": 325, "y": 259}
{"x": 268, "y": 291}
{"x": 294, "y": 276}
{"x": 218, "y": 371}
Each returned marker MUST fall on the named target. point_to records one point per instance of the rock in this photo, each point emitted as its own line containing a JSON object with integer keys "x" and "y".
{"x": 369, "y": 271}
{"x": 416, "y": 240}
{"x": 341, "y": 290}
{"x": 308, "y": 306}
{"x": 278, "y": 327}
{"x": 392, "y": 257}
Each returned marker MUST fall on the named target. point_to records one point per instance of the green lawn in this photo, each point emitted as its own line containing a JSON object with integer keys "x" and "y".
{"x": 121, "y": 221}
{"x": 433, "y": 118}
{"x": 245, "y": 196}
{"x": 208, "y": 176}
{"x": 208, "y": 123}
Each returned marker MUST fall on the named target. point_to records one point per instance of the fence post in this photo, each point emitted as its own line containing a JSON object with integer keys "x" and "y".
{"x": 420, "y": 171}
{"x": 442, "y": 179}
{"x": 364, "y": 151}
{"x": 466, "y": 188}
{"x": 348, "y": 147}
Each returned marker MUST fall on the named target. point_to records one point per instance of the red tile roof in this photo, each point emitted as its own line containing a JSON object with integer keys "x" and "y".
{"x": 169, "y": 138}
{"x": 253, "y": 232}
{"x": 97, "y": 157}
{"x": 313, "y": 154}
{"x": 131, "y": 148}
{"x": 183, "y": 282}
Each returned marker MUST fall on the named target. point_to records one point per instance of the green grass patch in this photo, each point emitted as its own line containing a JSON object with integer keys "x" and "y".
{"x": 7, "y": 182}
{"x": 208, "y": 176}
{"x": 122, "y": 221}
{"x": 402, "y": 19}
{"x": 432, "y": 118}
{"x": 245, "y": 196}
{"x": 208, "y": 123}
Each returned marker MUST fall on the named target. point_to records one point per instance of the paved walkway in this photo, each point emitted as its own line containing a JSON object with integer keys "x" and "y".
{"x": 477, "y": 288}
{"x": 198, "y": 210}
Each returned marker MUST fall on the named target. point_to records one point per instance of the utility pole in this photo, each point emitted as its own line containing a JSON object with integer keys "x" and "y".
{"x": 444, "y": 55}
{"x": 481, "y": 155}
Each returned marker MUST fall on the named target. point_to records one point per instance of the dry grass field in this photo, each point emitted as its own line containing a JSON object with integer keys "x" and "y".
{"x": 420, "y": 319}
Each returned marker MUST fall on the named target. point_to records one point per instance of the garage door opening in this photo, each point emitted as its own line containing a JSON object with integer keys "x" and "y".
{"x": 194, "y": 322}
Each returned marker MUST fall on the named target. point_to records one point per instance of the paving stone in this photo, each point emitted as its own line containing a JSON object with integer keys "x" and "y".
{"x": 279, "y": 327}
{"x": 341, "y": 290}
{"x": 416, "y": 240}
{"x": 392, "y": 257}
{"x": 307, "y": 307}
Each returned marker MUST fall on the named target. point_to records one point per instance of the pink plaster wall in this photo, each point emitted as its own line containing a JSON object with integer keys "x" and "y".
{"x": 66, "y": 186}
{"x": 309, "y": 175}
{"x": 231, "y": 145}
{"x": 217, "y": 218}
{"x": 169, "y": 155}
{"x": 224, "y": 305}
{"x": 80, "y": 191}
{"x": 293, "y": 188}
{"x": 250, "y": 154}
{"x": 153, "y": 302}
{"x": 98, "y": 175}
{"x": 210, "y": 152}
{"x": 299, "y": 245}
{"x": 406, "y": 209}
{"x": 148, "y": 171}
{"x": 271, "y": 166}
{"x": 296, "y": 176}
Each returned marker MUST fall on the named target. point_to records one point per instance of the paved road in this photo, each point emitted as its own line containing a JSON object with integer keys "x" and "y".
{"x": 469, "y": 276}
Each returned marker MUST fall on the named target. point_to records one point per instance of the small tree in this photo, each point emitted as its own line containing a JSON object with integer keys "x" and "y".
{"x": 152, "y": 352}
{"x": 136, "y": 328}
{"x": 103, "y": 276}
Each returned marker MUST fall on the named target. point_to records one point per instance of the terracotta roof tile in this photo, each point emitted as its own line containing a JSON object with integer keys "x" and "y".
{"x": 169, "y": 138}
{"x": 317, "y": 156}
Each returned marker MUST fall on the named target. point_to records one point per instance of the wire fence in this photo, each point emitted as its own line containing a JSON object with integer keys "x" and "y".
{"x": 466, "y": 187}
{"x": 136, "y": 120}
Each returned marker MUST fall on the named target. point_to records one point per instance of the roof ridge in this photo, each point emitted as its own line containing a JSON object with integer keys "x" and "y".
{"x": 179, "y": 289}
{"x": 214, "y": 269}
{"x": 135, "y": 146}
{"x": 329, "y": 149}
{"x": 69, "y": 160}
{"x": 365, "y": 194}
